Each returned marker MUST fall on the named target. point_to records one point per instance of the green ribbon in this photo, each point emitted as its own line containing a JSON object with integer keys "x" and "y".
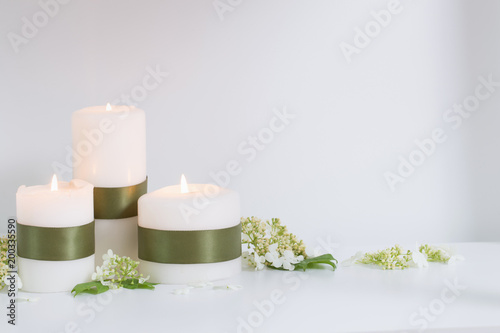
{"x": 189, "y": 247}
{"x": 55, "y": 244}
{"x": 112, "y": 203}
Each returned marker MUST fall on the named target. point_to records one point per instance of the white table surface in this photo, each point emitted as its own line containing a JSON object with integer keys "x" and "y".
{"x": 351, "y": 299}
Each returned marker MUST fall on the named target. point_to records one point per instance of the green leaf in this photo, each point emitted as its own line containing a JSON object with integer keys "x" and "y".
{"x": 147, "y": 285}
{"x": 315, "y": 262}
{"x": 130, "y": 283}
{"x": 94, "y": 288}
{"x": 134, "y": 284}
{"x": 327, "y": 259}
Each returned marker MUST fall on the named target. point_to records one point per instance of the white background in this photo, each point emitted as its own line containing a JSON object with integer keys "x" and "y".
{"x": 324, "y": 174}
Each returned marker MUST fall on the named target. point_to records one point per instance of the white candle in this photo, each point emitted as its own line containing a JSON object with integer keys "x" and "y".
{"x": 109, "y": 146}
{"x": 55, "y": 206}
{"x": 203, "y": 207}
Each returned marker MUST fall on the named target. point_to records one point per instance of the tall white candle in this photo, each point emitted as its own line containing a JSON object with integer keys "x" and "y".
{"x": 70, "y": 205}
{"x": 109, "y": 146}
{"x": 203, "y": 207}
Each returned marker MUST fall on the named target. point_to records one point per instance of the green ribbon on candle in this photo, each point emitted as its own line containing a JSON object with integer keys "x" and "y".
{"x": 55, "y": 244}
{"x": 190, "y": 246}
{"x": 112, "y": 203}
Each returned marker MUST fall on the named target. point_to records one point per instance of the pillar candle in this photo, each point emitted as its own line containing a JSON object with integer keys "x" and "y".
{"x": 109, "y": 147}
{"x": 202, "y": 207}
{"x": 42, "y": 213}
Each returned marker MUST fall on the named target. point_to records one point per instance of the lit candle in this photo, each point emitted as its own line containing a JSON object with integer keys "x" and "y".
{"x": 55, "y": 231}
{"x": 109, "y": 146}
{"x": 189, "y": 233}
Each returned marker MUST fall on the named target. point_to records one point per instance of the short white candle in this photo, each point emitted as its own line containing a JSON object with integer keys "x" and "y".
{"x": 109, "y": 146}
{"x": 170, "y": 209}
{"x": 70, "y": 205}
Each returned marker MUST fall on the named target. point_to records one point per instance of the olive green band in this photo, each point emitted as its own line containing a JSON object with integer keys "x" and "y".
{"x": 189, "y": 247}
{"x": 112, "y": 203}
{"x": 55, "y": 244}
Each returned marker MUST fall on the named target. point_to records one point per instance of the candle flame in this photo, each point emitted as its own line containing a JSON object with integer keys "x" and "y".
{"x": 108, "y": 107}
{"x": 184, "y": 185}
{"x": 53, "y": 186}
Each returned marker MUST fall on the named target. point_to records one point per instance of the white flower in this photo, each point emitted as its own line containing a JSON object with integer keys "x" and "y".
{"x": 290, "y": 256}
{"x": 453, "y": 259}
{"x": 273, "y": 256}
{"x": 419, "y": 259}
{"x": 200, "y": 284}
{"x": 452, "y": 253}
{"x": 245, "y": 237}
{"x": 231, "y": 287}
{"x": 258, "y": 261}
{"x": 446, "y": 253}
{"x": 107, "y": 257}
{"x": 255, "y": 259}
{"x": 353, "y": 260}
{"x": 97, "y": 275}
{"x": 234, "y": 287}
{"x": 182, "y": 291}
{"x": 246, "y": 255}
{"x": 289, "y": 259}
{"x": 143, "y": 279}
{"x": 106, "y": 283}
{"x": 314, "y": 252}
{"x": 19, "y": 283}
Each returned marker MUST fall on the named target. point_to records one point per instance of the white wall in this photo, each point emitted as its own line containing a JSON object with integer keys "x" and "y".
{"x": 323, "y": 174}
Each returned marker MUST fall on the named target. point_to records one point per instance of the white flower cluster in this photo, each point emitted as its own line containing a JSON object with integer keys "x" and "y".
{"x": 441, "y": 253}
{"x": 396, "y": 258}
{"x": 270, "y": 244}
{"x": 116, "y": 269}
{"x": 287, "y": 260}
